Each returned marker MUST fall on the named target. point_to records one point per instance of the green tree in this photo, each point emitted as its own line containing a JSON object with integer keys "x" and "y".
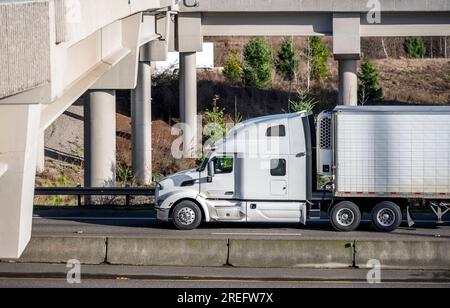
{"x": 414, "y": 47}
{"x": 258, "y": 64}
{"x": 318, "y": 57}
{"x": 304, "y": 102}
{"x": 287, "y": 63}
{"x": 215, "y": 121}
{"x": 232, "y": 66}
{"x": 369, "y": 89}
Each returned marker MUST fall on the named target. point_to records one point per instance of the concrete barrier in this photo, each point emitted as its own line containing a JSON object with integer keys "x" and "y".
{"x": 87, "y": 250}
{"x": 404, "y": 254}
{"x": 239, "y": 253}
{"x": 291, "y": 253}
{"x": 167, "y": 252}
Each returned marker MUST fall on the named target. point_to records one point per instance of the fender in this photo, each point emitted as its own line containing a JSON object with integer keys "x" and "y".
{"x": 186, "y": 194}
{"x": 205, "y": 207}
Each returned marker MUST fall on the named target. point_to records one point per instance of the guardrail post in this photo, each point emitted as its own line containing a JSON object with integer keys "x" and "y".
{"x": 78, "y": 196}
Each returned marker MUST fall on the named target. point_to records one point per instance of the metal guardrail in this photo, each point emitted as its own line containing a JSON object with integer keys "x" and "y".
{"x": 128, "y": 192}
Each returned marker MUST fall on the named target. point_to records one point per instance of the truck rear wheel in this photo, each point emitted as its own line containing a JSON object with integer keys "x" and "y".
{"x": 386, "y": 216}
{"x": 187, "y": 215}
{"x": 345, "y": 216}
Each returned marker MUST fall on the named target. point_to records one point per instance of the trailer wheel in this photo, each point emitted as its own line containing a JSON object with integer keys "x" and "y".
{"x": 345, "y": 216}
{"x": 187, "y": 215}
{"x": 386, "y": 216}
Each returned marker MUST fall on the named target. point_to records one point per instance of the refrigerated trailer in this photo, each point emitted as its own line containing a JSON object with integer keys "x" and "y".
{"x": 382, "y": 160}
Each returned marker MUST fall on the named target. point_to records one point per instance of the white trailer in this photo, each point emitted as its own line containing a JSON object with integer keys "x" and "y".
{"x": 382, "y": 160}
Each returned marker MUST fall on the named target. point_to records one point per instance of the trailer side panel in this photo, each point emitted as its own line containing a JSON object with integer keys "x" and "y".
{"x": 396, "y": 153}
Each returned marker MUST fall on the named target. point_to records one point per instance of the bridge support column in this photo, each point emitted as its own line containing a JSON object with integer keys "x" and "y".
{"x": 182, "y": 81}
{"x": 348, "y": 82}
{"x": 141, "y": 121}
{"x": 100, "y": 138}
{"x": 40, "y": 162}
{"x": 188, "y": 101}
{"x": 347, "y": 50}
{"x": 19, "y": 130}
{"x": 189, "y": 41}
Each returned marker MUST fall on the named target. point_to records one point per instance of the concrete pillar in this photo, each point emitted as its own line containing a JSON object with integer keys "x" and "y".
{"x": 182, "y": 81}
{"x": 100, "y": 138}
{"x": 141, "y": 122}
{"x": 40, "y": 162}
{"x": 188, "y": 98}
{"x": 348, "y": 82}
{"x": 19, "y": 129}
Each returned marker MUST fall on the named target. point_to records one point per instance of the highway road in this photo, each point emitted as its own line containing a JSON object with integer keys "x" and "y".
{"x": 142, "y": 222}
{"x": 54, "y": 275}
{"x": 135, "y": 222}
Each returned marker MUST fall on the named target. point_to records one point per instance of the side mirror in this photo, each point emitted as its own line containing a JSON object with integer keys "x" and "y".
{"x": 211, "y": 172}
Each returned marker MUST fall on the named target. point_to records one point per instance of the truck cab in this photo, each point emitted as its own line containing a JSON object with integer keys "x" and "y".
{"x": 260, "y": 172}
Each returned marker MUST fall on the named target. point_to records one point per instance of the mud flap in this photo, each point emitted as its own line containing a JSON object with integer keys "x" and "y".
{"x": 303, "y": 213}
{"x": 410, "y": 217}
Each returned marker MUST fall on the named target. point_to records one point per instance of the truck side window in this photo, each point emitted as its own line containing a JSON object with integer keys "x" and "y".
{"x": 276, "y": 131}
{"x": 223, "y": 165}
{"x": 278, "y": 167}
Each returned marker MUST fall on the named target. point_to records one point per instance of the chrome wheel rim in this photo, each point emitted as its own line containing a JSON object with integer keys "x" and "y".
{"x": 386, "y": 217}
{"x": 186, "y": 216}
{"x": 345, "y": 217}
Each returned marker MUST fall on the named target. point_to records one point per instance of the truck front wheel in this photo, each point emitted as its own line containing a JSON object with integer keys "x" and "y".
{"x": 386, "y": 216}
{"x": 187, "y": 215}
{"x": 345, "y": 216}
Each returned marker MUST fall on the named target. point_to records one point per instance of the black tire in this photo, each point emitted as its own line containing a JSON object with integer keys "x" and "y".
{"x": 386, "y": 216}
{"x": 187, "y": 215}
{"x": 345, "y": 216}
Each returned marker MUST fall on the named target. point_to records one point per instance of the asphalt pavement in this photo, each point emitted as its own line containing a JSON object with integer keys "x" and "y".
{"x": 142, "y": 223}
{"x": 54, "y": 275}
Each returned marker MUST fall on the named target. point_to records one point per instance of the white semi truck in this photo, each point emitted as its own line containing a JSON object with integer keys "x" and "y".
{"x": 381, "y": 160}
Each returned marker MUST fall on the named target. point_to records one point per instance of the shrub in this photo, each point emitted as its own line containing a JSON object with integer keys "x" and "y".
{"x": 304, "y": 102}
{"x": 369, "y": 89}
{"x": 124, "y": 174}
{"x": 215, "y": 121}
{"x": 232, "y": 67}
{"x": 414, "y": 47}
{"x": 318, "y": 58}
{"x": 287, "y": 63}
{"x": 258, "y": 64}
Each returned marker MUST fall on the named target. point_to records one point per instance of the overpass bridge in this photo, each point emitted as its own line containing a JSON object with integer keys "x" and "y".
{"x": 54, "y": 51}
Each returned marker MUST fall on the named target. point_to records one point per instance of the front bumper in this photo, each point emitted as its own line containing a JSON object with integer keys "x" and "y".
{"x": 162, "y": 214}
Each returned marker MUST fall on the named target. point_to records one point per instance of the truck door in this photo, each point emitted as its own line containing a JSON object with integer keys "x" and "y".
{"x": 222, "y": 185}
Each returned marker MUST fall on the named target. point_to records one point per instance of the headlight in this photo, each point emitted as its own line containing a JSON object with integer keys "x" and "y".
{"x": 160, "y": 202}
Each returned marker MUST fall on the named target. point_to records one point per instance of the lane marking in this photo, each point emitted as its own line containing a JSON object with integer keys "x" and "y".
{"x": 260, "y": 234}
